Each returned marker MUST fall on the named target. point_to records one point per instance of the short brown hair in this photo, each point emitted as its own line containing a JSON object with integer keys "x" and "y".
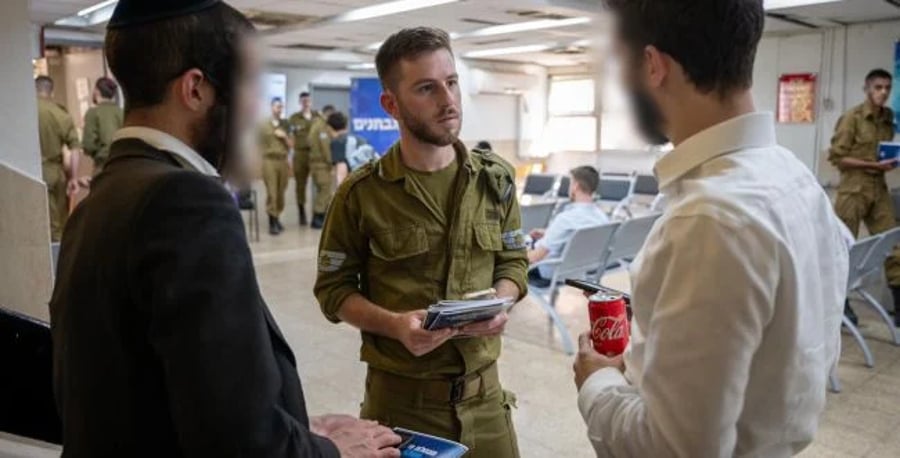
{"x": 587, "y": 177}
{"x": 407, "y": 44}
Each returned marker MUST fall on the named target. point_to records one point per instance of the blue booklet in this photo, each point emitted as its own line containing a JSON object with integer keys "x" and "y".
{"x": 888, "y": 150}
{"x": 418, "y": 445}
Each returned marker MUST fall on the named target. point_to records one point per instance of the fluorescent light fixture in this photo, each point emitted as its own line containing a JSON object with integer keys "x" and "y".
{"x": 778, "y": 4}
{"x": 362, "y": 66}
{"x": 90, "y": 16}
{"x": 91, "y": 9}
{"x": 505, "y": 51}
{"x": 387, "y": 9}
{"x": 528, "y": 26}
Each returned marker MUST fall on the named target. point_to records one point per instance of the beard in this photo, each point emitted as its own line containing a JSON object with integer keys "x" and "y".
{"x": 419, "y": 128}
{"x": 215, "y": 145}
{"x": 649, "y": 118}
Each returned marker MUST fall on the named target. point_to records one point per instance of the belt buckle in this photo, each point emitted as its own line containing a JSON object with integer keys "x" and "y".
{"x": 457, "y": 390}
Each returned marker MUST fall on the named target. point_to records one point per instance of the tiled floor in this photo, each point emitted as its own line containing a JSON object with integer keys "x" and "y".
{"x": 862, "y": 421}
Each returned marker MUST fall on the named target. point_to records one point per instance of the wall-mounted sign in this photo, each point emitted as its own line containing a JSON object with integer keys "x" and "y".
{"x": 797, "y": 98}
{"x": 368, "y": 119}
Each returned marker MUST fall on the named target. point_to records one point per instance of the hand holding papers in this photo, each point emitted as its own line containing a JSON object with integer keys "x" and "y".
{"x": 456, "y": 314}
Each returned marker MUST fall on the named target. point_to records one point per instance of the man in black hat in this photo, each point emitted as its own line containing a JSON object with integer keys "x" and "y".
{"x": 163, "y": 345}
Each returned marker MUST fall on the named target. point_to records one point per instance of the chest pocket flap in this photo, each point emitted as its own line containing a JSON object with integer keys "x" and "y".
{"x": 487, "y": 236}
{"x": 402, "y": 243}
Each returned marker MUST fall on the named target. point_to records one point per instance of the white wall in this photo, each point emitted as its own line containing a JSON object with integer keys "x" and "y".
{"x": 299, "y": 80}
{"x": 18, "y": 112}
{"x": 841, "y": 57}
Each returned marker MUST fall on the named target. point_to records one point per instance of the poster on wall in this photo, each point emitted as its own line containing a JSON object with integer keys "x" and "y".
{"x": 368, "y": 119}
{"x": 797, "y": 98}
{"x": 273, "y": 85}
{"x": 897, "y": 87}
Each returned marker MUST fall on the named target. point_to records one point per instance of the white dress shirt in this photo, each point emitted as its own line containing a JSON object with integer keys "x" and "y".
{"x": 184, "y": 154}
{"x": 737, "y": 296}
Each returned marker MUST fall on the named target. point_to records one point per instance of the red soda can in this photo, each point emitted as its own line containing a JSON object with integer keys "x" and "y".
{"x": 609, "y": 323}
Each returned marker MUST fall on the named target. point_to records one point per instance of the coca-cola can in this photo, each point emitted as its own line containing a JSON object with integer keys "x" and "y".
{"x": 609, "y": 323}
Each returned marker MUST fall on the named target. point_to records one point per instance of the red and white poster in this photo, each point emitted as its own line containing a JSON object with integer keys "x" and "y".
{"x": 797, "y": 98}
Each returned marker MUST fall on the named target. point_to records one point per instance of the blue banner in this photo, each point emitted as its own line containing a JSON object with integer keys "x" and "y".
{"x": 368, "y": 119}
{"x": 897, "y": 87}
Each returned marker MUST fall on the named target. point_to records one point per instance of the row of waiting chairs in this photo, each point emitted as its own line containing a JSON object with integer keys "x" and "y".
{"x": 587, "y": 255}
{"x": 867, "y": 258}
{"x": 617, "y": 192}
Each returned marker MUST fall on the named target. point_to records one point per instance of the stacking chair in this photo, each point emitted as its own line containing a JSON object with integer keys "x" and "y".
{"x": 582, "y": 257}
{"x": 872, "y": 265}
{"x": 536, "y": 216}
{"x": 539, "y": 184}
{"x": 617, "y": 190}
{"x": 859, "y": 252}
{"x": 628, "y": 240}
{"x": 27, "y": 406}
{"x": 562, "y": 187}
{"x": 646, "y": 187}
{"x": 247, "y": 201}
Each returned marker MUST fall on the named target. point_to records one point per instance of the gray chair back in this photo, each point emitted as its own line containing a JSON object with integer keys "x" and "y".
{"x": 646, "y": 185}
{"x": 581, "y": 254}
{"x": 879, "y": 251}
{"x": 536, "y": 216}
{"x": 539, "y": 184}
{"x": 562, "y": 189}
{"x": 630, "y": 237}
{"x": 615, "y": 187}
{"x": 858, "y": 254}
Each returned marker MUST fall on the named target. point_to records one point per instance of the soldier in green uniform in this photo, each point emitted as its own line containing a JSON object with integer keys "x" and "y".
{"x": 101, "y": 122}
{"x": 59, "y": 166}
{"x": 301, "y": 122}
{"x": 275, "y": 145}
{"x": 428, "y": 221}
{"x": 863, "y": 195}
{"x": 320, "y": 165}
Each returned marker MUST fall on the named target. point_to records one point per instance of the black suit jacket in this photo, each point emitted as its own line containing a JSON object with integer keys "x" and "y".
{"x": 163, "y": 345}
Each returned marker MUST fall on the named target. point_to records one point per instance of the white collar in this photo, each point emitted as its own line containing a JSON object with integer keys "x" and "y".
{"x": 158, "y": 139}
{"x": 752, "y": 130}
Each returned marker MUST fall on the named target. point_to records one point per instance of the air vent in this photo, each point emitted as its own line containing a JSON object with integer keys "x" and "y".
{"x": 536, "y": 14}
{"x": 307, "y": 47}
{"x": 480, "y": 21}
{"x": 268, "y": 19}
{"x": 492, "y": 42}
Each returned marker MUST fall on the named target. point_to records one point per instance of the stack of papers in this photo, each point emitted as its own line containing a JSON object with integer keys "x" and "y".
{"x": 455, "y": 314}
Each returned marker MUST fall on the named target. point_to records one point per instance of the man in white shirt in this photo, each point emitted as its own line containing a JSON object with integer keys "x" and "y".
{"x": 580, "y": 213}
{"x": 739, "y": 289}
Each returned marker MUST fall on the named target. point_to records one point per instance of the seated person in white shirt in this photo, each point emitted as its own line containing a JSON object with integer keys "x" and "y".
{"x": 580, "y": 213}
{"x": 738, "y": 291}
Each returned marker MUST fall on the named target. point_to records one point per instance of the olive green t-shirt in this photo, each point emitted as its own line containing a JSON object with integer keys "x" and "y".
{"x": 438, "y": 185}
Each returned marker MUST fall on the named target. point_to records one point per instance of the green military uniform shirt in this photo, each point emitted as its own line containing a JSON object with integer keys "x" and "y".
{"x": 388, "y": 239}
{"x": 300, "y": 127}
{"x": 857, "y": 136}
{"x": 270, "y": 145}
{"x": 100, "y": 123}
{"x": 320, "y": 142}
{"x": 55, "y": 129}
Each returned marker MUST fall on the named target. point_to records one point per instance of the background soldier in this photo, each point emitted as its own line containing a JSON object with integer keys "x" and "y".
{"x": 320, "y": 166}
{"x": 301, "y": 123}
{"x": 101, "y": 122}
{"x": 59, "y": 166}
{"x": 452, "y": 227}
{"x": 863, "y": 194}
{"x": 275, "y": 145}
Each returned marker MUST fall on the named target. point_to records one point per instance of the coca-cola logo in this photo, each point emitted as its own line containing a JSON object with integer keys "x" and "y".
{"x": 609, "y": 328}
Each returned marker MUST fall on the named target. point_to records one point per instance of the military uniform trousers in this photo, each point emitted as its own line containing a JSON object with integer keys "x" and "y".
{"x": 323, "y": 180}
{"x": 301, "y": 174}
{"x": 55, "y": 177}
{"x": 868, "y": 201}
{"x": 276, "y": 173}
{"x": 474, "y": 411}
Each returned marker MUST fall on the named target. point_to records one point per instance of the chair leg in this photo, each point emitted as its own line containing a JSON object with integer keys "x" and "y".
{"x": 882, "y": 313}
{"x": 833, "y": 381}
{"x": 870, "y": 361}
{"x": 556, "y": 321}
